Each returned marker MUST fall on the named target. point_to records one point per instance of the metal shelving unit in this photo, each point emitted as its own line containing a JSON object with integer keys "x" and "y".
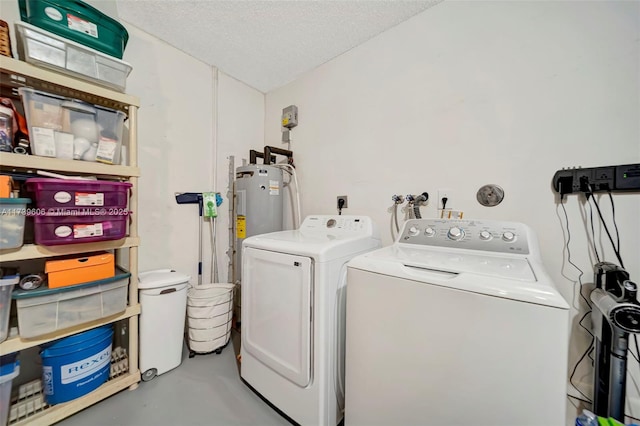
{"x": 14, "y": 74}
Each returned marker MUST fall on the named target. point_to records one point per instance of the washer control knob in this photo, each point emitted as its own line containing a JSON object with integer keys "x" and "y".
{"x": 429, "y": 232}
{"x": 509, "y": 236}
{"x": 455, "y": 233}
{"x": 485, "y": 235}
{"x": 413, "y": 231}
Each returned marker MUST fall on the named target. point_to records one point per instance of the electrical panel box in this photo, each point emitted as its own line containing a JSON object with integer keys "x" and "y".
{"x": 290, "y": 117}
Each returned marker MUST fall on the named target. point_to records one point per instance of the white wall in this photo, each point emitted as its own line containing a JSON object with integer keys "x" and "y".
{"x": 187, "y": 110}
{"x": 240, "y": 129}
{"x": 471, "y": 93}
{"x": 175, "y": 148}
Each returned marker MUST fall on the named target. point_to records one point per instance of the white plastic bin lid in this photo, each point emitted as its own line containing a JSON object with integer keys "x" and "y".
{"x": 161, "y": 278}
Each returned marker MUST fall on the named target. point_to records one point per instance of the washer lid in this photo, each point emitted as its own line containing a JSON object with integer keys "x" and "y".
{"x": 476, "y": 262}
{"x": 161, "y": 278}
{"x": 507, "y": 277}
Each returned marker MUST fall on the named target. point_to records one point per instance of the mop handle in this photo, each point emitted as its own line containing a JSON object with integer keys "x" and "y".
{"x": 200, "y": 210}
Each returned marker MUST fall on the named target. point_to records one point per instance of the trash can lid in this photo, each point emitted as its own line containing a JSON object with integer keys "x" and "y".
{"x": 161, "y": 278}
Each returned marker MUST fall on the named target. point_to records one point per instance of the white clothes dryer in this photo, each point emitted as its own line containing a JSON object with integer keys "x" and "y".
{"x": 456, "y": 323}
{"x": 292, "y": 324}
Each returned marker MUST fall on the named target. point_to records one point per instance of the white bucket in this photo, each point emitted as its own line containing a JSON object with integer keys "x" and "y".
{"x": 209, "y": 314}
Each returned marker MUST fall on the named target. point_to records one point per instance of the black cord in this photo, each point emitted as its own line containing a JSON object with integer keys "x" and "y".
{"x": 606, "y": 228}
{"x": 590, "y": 346}
{"x": 613, "y": 214}
{"x": 593, "y": 232}
{"x": 576, "y": 367}
{"x": 578, "y": 399}
{"x": 582, "y": 325}
{"x": 632, "y": 418}
{"x": 590, "y": 334}
{"x": 566, "y": 218}
{"x": 635, "y": 338}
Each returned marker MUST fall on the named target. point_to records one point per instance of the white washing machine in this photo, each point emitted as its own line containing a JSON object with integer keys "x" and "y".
{"x": 456, "y": 323}
{"x": 293, "y": 314}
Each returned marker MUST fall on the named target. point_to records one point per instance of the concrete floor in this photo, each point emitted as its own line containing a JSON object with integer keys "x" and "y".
{"x": 204, "y": 390}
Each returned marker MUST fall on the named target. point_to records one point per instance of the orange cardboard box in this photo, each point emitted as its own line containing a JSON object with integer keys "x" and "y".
{"x": 79, "y": 270}
{"x": 5, "y": 186}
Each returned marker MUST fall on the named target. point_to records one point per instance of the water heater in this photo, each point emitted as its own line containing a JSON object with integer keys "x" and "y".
{"x": 259, "y": 204}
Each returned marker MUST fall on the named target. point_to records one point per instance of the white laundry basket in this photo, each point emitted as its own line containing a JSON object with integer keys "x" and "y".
{"x": 209, "y": 315}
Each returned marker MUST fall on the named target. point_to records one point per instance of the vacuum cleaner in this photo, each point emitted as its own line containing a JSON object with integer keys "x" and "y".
{"x": 615, "y": 316}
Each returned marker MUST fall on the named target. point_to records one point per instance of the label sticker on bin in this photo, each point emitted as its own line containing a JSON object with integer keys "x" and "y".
{"x": 84, "y": 231}
{"x": 106, "y": 150}
{"x": 75, "y": 371}
{"x": 62, "y": 231}
{"x": 82, "y": 26}
{"x": 89, "y": 199}
{"x": 44, "y": 141}
{"x": 62, "y": 197}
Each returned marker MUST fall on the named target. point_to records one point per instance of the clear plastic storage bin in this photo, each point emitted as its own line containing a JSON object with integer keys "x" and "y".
{"x": 47, "y": 50}
{"x": 6, "y": 287}
{"x": 71, "y": 129}
{"x": 46, "y": 310}
{"x": 12, "y": 215}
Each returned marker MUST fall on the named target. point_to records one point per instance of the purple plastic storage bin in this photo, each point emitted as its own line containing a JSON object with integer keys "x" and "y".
{"x": 51, "y": 230}
{"x": 78, "y": 194}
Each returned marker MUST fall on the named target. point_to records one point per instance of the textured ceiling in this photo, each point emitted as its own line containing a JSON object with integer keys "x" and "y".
{"x": 266, "y": 44}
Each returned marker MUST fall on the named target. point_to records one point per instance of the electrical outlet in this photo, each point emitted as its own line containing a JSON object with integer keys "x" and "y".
{"x": 444, "y": 193}
{"x": 344, "y": 198}
{"x": 603, "y": 178}
{"x": 575, "y": 180}
{"x": 583, "y": 177}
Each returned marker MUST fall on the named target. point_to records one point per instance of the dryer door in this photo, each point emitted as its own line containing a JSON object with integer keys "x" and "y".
{"x": 276, "y": 312}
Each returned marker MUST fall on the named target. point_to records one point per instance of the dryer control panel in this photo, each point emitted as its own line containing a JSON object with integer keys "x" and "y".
{"x": 485, "y": 235}
{"x": 337, "y": 224}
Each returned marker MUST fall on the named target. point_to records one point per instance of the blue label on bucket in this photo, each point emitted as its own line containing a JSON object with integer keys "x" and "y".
{"x": 70, "y": 373}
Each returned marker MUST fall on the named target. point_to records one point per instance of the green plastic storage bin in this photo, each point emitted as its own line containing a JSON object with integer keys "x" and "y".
{"x": 77, "y": 21}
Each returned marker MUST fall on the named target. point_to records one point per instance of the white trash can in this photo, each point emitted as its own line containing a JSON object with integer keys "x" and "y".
{"x": 163, "y": 300}
{"x": 209, "y": 315}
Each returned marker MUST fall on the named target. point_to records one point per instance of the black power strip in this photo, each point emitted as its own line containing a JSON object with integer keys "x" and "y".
{"x": 597, "y": 179}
